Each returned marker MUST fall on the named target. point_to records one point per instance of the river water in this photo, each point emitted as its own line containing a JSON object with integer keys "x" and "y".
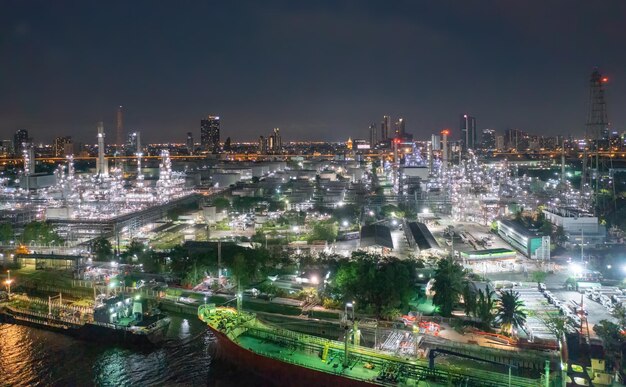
{"x": 35, "y": 357}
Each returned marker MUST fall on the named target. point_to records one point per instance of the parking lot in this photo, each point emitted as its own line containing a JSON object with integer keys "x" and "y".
{"x": 596, "y": 312}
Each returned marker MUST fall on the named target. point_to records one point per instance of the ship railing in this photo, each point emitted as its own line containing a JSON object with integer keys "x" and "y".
{"x": 54, "y": 303}
{"x": 412, "y": 367}
{"x": 38, "y": 317}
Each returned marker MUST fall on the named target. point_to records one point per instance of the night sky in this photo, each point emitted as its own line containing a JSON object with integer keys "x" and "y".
{"x": 318, "y": 70}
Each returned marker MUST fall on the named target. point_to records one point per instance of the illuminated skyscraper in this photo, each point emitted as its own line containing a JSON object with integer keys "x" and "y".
{"x": 275, "y": 142}
{"x": 63, "y": 146}
{"x": 133, "y": 144}
{"x": 210, "y": 134}
{"x": 189, "y": 143}
{"x": 400, "y": 128}
{"x": 373, "y": 136}
{"x": 384, "y": 127}
{"x": 19, "y": 140}
{"x": 489, "y": 139}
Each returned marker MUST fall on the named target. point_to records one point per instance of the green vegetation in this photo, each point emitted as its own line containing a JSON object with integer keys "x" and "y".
{"x": 326, "y": 230}
{"x": 389, "y": 210}
{"x": 613, "y": 339}
{"x": 448, "y": 285}
{"x": 245, "y": 264}
{"x": 380, "y": 285}
{"x": 510, "y": 311}
{"x": 485, "y": 309}
{"x": 41, "y": 233}
{"x": 6, "y": 232}
{"x": 246, "y": 203}
{"x": 221, "y": 203}
{"x": 102, "y": 249}
{"x": 539, "y": 276}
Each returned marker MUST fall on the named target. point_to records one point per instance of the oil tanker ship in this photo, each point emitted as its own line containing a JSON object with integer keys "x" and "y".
{"x": 287, "y": 358}
{"x": 118, "y": 319}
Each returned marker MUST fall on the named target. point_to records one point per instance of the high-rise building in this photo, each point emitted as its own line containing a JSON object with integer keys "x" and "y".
{"x": 119, "y": 133}
{"x": 435, "y": 141}
{"x": 189, "y": 143}
{"x": 489, "y": 139}
{"x": 373, "y": 136}
{"x": 384, "y": 128}
{"x": 63, "y": 146}
{"x": 400, "y": 128}
{"x": 262, "y": 145}
{"x": 6, "y": 148}
{"x": 516, "y": 139}
{"x": 20, "y": 139}
{"x": 210, "y": 134}
{"x": 133, "y": 144}
{"x": 500, "y": 143}
{"x": 275, "y": 142}
{"x": 468, "y": 132}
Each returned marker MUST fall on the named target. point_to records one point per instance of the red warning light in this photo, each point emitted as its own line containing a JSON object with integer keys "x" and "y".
{"x": 445, "y": 132}
{"x": 605, "y": 79}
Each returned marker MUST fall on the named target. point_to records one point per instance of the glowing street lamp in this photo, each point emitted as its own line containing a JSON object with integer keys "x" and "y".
{"x": 8, "y": 282}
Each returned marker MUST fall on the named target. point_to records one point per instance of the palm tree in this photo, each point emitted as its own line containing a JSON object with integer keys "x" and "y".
{"x": 510, "y": 312}
{"x": 484, "y": 308}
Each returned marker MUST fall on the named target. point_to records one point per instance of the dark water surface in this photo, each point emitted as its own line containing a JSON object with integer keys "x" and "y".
{"x": 35, "y": 357}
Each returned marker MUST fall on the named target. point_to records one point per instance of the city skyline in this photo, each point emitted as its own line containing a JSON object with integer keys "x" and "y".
{"x": 313, "y": 70}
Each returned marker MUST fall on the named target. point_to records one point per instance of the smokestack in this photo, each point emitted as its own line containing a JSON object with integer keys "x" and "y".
{"x": 101, "y": 165}
{"x": 444, "y": 150}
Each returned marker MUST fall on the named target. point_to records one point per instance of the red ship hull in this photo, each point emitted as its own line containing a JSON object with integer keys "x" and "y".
{"x": 277, "y": 372}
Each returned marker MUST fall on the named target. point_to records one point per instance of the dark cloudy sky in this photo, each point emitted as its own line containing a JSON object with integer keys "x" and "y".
{"x": 316, "y": 69}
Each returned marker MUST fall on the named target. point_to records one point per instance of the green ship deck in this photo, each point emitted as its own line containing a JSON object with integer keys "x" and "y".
{"x": 328, "y": 356}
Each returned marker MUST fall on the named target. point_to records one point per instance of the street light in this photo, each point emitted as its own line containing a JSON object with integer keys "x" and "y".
{"x": 8, "y": 282}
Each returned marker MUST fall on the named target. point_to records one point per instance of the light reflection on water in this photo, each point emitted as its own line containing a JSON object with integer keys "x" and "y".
{"x": 30, "y": 356}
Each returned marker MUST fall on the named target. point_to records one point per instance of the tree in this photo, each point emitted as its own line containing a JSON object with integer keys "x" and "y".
{"x": 619, "y": 312}
{"x": 246, "y": 203}
{"x": 102, "y": 249}
{"x": 6, "y": 232}
{"x": 613, "y": 340}
{"x": 448, "y": 285}
{"x": 469, "y": 298}
{"x": 324, "y": 231}
{"x": 135, "y": 247}
{"x": 221, "y": 203}
{"x": 485, "y": 308}
{"x": 40, "y": 232}
{"x": 546, "y": 227}
{"x": 559, "y": 234}
{"x": 510, "y": 311}
{"x": 380, "y": 285}
{"x": 557, "y": 324}
{"x": 390, "y": 210}
{"x": 539, "y": 276}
